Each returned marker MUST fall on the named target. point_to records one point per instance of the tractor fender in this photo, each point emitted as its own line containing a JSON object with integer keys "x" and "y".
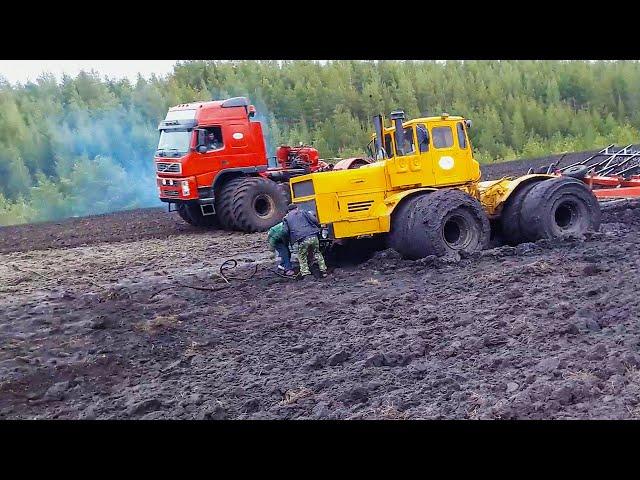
{"x": 386, "y": 208}
{"x": 495, "y": 193}
{"x": 349, "y": 163}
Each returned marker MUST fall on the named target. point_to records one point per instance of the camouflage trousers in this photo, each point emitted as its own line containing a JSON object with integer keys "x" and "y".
{"x": 304, "y": 246}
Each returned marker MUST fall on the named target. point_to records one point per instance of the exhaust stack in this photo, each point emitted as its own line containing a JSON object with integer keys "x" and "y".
{"x": 397, "y": 117}
{"x": 378, "y": 125}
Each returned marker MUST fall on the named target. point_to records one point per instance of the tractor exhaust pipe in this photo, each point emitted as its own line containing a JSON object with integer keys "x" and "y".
{"x": 377, "y": 125}
{"x": 397, "y": 117}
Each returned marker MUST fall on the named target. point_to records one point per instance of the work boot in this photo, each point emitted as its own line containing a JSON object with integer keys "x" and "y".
{"x": 305, "y": 277}
{"x": 289, "y": 273}
{"x": 323, "y": 274}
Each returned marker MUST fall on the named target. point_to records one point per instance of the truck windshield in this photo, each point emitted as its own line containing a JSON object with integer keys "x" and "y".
{"x": 174, "y": 141}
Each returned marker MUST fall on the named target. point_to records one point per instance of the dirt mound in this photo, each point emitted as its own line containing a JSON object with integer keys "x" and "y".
{"x": 543, "y": 330}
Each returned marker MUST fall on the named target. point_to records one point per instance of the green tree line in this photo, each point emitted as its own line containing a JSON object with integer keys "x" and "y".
{"x": 85, "y": 145}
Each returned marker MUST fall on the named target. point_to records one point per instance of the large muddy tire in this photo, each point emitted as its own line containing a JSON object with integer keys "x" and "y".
{"x": 445, "y": 222}
{"x": 258, "y": 204}
{"x": 557, "y": 207}
{"x": 577, "y": 171}
{"x": 192, "y": 214}
{"x": 511, "y": 218}
{"x": 398, "y": 237}
{"x": 224, "y": 203}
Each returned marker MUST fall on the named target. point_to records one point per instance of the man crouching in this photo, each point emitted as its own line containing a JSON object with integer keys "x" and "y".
{"x": 278, "y": 238}
{"x": 304, "y": 230}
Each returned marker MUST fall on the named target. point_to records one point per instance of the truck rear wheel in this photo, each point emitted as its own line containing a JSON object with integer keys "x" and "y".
{"x": 192, "y": 214}
{"x": 557, "y": 207}
{"x": 258, "y": 204}
{"x": 444, "y": 222}
{"x": 224, "y": 203}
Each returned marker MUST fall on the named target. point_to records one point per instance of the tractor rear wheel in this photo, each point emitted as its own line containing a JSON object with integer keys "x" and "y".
{"x": 511, "y": 217}
{"x": 559, "y": 206}
{"x": 224, "y": 203}
{"x": 444, "y": 222}
{"x": 192, "y": 214}
{"x": 258, "y": 204}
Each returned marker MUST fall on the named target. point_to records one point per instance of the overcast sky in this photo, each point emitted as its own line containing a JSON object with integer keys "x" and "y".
{"x": 24, "y": 70}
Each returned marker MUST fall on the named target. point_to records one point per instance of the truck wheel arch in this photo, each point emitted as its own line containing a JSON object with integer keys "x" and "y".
{"x": 229, "y": 173}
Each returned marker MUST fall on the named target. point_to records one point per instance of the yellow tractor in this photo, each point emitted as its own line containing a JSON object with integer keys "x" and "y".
{"x": 422, "y": 195}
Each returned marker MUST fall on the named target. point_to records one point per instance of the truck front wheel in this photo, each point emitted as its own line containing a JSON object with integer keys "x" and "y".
{"x": 192, "y": 214}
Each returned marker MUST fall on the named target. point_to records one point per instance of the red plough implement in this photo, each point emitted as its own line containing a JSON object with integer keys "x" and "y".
{"x": 610, "y": 173}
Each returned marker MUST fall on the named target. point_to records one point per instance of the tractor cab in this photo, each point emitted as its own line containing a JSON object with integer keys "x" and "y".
{"x": 425, "y": 151}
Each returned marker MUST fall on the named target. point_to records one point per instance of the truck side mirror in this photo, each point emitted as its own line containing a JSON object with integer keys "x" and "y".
{"x": 468, "y": 124}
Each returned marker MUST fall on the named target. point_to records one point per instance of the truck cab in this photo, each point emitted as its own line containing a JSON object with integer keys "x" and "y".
{"x": 202, "y": 142}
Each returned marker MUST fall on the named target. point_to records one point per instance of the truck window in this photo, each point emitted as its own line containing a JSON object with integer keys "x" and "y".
{"x": 442, "y": 137}
{"x": 214, "y": 139}
{"x": 388, "y": 146}
{"x": 462, "y": 139}
{"x": 423, "y": 138}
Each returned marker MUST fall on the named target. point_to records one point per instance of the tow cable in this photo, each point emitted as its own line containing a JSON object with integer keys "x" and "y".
{"x": 227, "y": 265}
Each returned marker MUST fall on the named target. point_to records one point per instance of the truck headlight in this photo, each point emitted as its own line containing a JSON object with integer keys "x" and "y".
{"x": 185, "y": 188}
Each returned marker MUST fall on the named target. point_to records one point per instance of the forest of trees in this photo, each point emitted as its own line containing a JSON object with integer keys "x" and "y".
{"x": 85, "y": 145}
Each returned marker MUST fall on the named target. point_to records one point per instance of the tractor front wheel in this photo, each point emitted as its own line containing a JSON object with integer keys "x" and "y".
{"x": 443, "y": 222}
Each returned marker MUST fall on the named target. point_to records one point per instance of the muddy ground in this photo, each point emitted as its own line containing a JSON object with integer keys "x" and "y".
{"x": 96, "y": 322}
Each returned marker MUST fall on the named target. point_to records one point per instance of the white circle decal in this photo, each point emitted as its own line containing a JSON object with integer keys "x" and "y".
{"x": 446, "y": 163}
{"x": 238, "y": 136}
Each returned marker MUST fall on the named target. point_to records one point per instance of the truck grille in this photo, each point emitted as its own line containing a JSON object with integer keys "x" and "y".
{"x": 359, "y": 206}
{"x": 169, "y": 167}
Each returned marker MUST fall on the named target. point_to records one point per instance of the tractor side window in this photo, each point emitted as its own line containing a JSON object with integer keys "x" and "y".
{"x": 442, "y": 137}
{"x": 423, "y": 138}
{"x": 388, "y": 146}
{"x": 214, "y": 139}
{"x": 408, "y": 145}
{"x": 462, "y": 139}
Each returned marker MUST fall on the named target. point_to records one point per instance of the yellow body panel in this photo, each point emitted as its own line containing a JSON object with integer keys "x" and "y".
{"x": 360, "y": 202}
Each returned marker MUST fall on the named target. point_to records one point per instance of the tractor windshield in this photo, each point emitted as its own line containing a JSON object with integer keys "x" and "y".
{"x": 173, "y": 142}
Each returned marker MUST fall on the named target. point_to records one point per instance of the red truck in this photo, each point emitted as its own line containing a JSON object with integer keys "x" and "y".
{"x": 212, "y": 166}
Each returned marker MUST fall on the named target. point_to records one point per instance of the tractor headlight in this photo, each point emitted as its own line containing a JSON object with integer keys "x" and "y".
{"x": 185, "y": 188}
{"x": 324, "y": 233}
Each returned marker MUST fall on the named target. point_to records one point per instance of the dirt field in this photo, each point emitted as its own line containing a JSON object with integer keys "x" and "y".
{"x": 94, "y": 323}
